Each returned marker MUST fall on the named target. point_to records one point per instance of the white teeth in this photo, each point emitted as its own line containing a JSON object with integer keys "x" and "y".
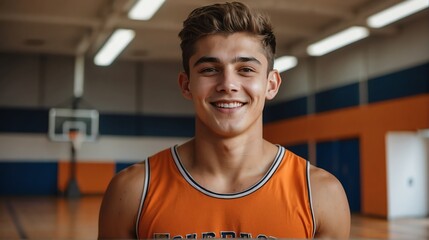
{"x": 229, "y": 105}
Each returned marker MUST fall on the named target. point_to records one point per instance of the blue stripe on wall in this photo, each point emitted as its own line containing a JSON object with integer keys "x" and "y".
{"x": 28, "y": 178}
{"x": 285, "y": 110}
{"x": 121, "y": 166}
{"x": 24, "y": 120}
{"x": 137, "y": 125}
{"x": 408, "y": 82}
{"x": 346, "y": 96}
{"x": 111, "y": 124}
{"x": 168, "y": 126}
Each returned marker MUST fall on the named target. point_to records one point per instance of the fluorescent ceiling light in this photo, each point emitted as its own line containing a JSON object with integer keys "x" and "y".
{"x": 337, "y": 40}
{"x": 396, "y": 12}
{"x": 285, "y": 63}
{"x": 145, "y": 9}
{"x": 114, "y": 46}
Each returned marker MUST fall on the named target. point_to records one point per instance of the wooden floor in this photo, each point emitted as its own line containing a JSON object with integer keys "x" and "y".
{"x": 61, "y": 218}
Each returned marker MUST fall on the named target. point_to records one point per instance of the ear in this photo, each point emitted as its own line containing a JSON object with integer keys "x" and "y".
{"x": 273, "y": 84}
{"x": 184, "y": 85}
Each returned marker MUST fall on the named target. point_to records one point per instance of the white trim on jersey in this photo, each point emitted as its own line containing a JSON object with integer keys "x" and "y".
{"x": 144, "y": 193}
{"x": 258, "y": 185}
{"x": 310, "y": 198}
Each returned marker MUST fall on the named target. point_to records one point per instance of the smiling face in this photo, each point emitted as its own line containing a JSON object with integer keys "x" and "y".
{"x": 229, "y": 82}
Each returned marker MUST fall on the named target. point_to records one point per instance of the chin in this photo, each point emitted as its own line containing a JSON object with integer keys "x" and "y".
{"x": 224, "y": 128}
{"x": 230, "y": 131}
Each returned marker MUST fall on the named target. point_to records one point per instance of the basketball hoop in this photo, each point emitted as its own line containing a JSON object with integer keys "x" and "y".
{"x": 76, "y": 138}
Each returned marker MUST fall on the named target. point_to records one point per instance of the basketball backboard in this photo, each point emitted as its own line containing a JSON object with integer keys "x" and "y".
{"x": 63, "y": 121}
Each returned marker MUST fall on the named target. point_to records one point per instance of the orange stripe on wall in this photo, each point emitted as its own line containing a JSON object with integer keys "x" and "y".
{"x": 370, "y": 123}
{"x": 92, "y": 178}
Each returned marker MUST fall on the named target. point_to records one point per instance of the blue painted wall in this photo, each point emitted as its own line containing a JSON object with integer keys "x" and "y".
{"x": 342, "y": 97}
{"x": 121, "y": 166}
{"x": 342, "y": 159}
{"x": 16, "y": 120}
{"x": 284, "y": 110}
{"x": 407, "y": 82}
{"x": 28, "y": 178}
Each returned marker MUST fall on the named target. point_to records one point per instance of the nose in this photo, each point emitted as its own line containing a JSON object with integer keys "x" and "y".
{"x": 228, "y": 82}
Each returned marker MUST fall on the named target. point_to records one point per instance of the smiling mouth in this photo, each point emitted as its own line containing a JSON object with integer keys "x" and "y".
{"x": 228, "y": 105}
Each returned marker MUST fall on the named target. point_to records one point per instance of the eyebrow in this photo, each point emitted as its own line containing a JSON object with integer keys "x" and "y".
{"x": 207, "y": 59}
{"x": 247, "y": 59}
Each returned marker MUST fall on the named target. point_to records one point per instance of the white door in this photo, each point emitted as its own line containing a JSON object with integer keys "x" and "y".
{"x": 407, "y": 175}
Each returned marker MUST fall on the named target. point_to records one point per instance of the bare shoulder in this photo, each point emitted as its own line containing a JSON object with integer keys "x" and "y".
{"x": 119, "y": 208}
{"x": 331, "y": 208}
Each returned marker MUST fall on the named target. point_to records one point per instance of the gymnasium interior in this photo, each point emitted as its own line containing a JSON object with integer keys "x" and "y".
{"x": 359, "y": 111}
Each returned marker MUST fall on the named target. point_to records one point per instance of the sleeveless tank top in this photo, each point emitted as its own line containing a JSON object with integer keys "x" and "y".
{"x": 173, "y": 205}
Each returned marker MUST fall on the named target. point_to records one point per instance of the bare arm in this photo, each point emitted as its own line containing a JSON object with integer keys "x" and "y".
{"x": 331, "y": 208}
{"x": 118, "y": 212}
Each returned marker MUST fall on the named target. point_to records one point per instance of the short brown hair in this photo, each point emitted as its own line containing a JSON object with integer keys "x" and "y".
{"x": 225, "y": 18}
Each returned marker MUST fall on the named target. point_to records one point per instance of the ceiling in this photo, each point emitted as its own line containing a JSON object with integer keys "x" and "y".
{"x": 71, "y": 27}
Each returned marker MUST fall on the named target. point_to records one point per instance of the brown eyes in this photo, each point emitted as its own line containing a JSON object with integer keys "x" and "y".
{"x": 247, "y": 69}
{"x": 213, "y": 70}
{"x": 208, "y": 70}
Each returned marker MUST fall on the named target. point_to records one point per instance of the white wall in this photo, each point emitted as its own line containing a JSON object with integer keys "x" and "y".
{"x": 124, "y": 87}
{"x": 296, "y": 82}
{"x": 45, "y": 81}
{"x": 408, "y": 47}
{"x": 19, "y": 80}
{"x": 407, "y": 175}
{"x": 111, "y": 89}
{"x": 426, "y": 142}
{"x": 340, "y": 67}
{"x": 56, "y": 80}
{"x": 37, "y": 147}
{"x": 377, "y": 55}
{"x": 161, "y": 93}
{"x": 427, "y": 170}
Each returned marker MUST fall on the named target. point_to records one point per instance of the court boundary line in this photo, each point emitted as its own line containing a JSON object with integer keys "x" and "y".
{"x": 15, "y": 219}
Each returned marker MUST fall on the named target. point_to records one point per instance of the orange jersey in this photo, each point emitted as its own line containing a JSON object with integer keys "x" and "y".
{"x": 175, "y": 206}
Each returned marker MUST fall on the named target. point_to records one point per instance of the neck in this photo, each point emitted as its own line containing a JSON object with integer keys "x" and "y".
{"x": 227, "y": 166}
{"x": 228, "y": 156}
{"x": 227, "y": 163}
{"x": 228, "y": 152}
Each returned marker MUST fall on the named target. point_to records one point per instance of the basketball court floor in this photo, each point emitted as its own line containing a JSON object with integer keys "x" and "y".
{"x": 62, "y": 218}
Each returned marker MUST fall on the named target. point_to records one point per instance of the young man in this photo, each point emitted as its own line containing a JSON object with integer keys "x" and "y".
{"x": 226, "y": 182}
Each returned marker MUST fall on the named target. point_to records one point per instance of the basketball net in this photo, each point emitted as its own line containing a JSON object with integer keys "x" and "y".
{"x": 76, "y": 138}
